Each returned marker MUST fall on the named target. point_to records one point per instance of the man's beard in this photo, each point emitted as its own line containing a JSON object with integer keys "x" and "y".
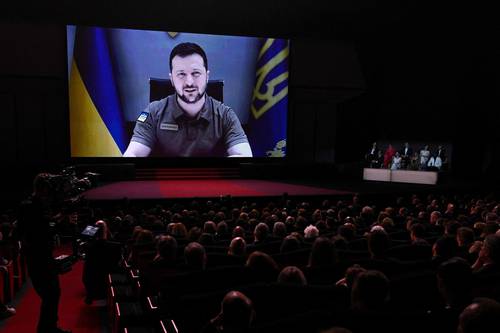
{"x": 187, "y": 100}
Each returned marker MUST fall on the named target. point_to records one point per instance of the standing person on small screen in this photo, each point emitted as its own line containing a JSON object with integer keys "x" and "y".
{"x": 188, "y": 123}
{"x": 425, "y": 154}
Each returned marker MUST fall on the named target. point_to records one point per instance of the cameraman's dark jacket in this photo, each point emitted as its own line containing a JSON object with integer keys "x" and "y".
{"x": 35, "y": 233}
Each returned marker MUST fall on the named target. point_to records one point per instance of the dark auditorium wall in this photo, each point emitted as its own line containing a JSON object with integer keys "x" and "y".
{"x": 428, "y": 80}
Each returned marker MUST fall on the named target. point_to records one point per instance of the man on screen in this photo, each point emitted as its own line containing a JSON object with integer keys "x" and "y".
{"x": 188, "y": 123}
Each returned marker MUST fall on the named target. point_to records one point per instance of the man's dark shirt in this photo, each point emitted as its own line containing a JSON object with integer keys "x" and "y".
{"x": 165, "y": 127}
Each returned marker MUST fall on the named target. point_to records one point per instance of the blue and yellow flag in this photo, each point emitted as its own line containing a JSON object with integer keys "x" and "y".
{"x": 267, "y": 124}
{"x": 97, "y": 123}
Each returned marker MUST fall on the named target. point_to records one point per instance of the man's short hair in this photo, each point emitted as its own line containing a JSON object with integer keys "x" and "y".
{"x": 482, "y": 315}
{"x": 455, "y": 275}
{"x": 370, "y": 290}
{"x": 195, "y": 256}
{"x": 292, "y": 275}
{"x": 237, "y": 246}
{"x": 492, "y": 243}
{"x": 261, "y": 231}
{"x": 237, "y": 312}
{"x": 186, "y": 49}
{"x": 167, "y": 247}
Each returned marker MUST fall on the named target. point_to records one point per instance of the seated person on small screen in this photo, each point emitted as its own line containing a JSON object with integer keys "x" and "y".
{"x": 188, "y": 123}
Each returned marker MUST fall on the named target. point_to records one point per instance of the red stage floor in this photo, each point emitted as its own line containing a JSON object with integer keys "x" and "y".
{"x": 207, "y": 188}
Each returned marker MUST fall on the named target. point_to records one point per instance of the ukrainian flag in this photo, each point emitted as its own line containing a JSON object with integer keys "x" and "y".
{"x": 267, "y": 124}
{"x": 97, "y": 123}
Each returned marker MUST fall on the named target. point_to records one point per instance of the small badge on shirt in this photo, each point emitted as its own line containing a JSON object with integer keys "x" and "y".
{"x": 169, "y": 127}
{"x": 143, "y": 116}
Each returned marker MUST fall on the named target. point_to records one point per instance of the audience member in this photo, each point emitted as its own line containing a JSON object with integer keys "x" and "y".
{"x": 236, "y": 315}
{"x": 292, "y": 275}
{"x": 195, "y": 256}
{"x": 481, "y": 316}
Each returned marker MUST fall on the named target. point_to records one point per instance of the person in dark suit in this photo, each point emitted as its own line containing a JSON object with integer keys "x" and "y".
{"x": 35, "y": 217}
{"x": 372, "y": 156}
{"x": 406, "y": 153}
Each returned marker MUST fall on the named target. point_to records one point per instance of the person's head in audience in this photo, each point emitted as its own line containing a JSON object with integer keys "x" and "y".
{"x": 417, "y": 233}
{"x": 194, "y": 234}
{"x": 444, "y": 248}
{"x": 144, "y": 237}
{"x": 219, "y": 216}
{"x": 339, "y": 242}
{"x": 454, "y": 278}
{"x": 210, "y": 227}
{"x": 103, "y": 232}
{"x": 491, "y": 217}
{"x": 289, "y": 243}
{"x": 378, "y": 243}
{"x": 290, "y": 221}
{"x": 465, "y": 237}
{"x": 370, "y": 291}
{"x": 347, "y": 231}
{"x": 179, "y": 230}
{"x": 311, "y": 232}
{"x": 195, "y": 256}
{"x": 450, "y": 208}
{"x": 166, "y": 248}
{"x": 222, "y": 230}
{"x": 351, "y": 274}
{"x": 238, "y": 231}
{"x": 206, "y": 239}
{"x": 434, "y": 217}
{"x": 237, "y": 247}
{"x": 381, "y": 216}
{"x": 367, "y": 214}
{"x": 323, "y": 253}
{"x": 170, "y": 227}
{"x": 279, "y": 230}
{"x": 236, "y": 315}
{"x": 481, "y": 316}
{"x": 261, "y": 232}
{"x": 135, "y": 232}
{"x": 490, "y": 251}
{"x": 451, "y": 227}
{"x": 490, "y": 228}
{"x": 422, "y": 216}
{"x": 387, "y": 224}
{"x": 292, "y": 275}
{"x": 300, "y": 223}
{"x": 243, "y": 216}
{"x": 262, "y": 266}
{"x": 410, "y": 220}
{"x": 403, "y": 212}
{"x": 478, "y": 228}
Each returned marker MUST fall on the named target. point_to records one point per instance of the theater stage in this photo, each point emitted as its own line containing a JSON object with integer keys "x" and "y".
{"x": 203, "y": 188}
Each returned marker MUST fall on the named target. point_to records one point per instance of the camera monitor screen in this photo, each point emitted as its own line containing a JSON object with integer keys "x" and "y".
{"x": 139, "y": 93}
{"x": 90, "y": 231}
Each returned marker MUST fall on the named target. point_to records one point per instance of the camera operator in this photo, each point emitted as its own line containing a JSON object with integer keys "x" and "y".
{"x": 36, "y": 215}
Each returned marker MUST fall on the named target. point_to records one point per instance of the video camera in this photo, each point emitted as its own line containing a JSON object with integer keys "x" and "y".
{"x": 66, "y": 186}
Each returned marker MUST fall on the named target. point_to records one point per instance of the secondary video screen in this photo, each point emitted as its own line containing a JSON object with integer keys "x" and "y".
{"x": 140, "y": 93}
{"x": 409, "y": 155}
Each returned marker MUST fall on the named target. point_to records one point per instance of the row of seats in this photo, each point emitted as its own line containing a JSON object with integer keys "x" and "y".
{"x": 14, "y": 275}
